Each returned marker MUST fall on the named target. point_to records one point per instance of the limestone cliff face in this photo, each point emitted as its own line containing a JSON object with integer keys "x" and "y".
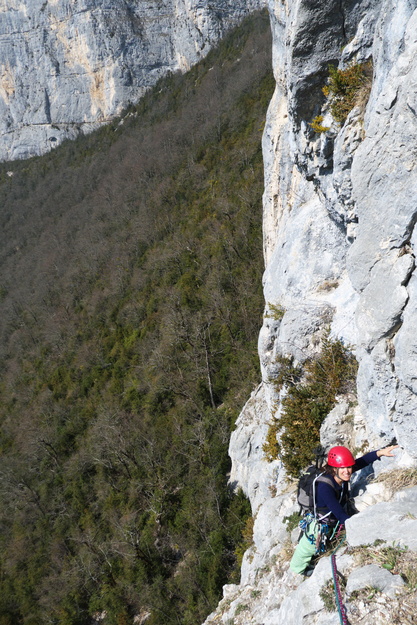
{"x": 340, "y": 206}
{"x": 67, "y": 66}
{"x": 339, "y": 241}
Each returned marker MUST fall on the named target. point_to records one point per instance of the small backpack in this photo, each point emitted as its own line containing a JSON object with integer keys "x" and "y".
{"x": 306, "y": 487}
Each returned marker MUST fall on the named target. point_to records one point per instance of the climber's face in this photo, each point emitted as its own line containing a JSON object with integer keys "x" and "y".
{"x": 343, "y": 474}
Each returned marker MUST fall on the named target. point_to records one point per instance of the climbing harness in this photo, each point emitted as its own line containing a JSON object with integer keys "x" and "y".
{"x": 338, "y": 593}
{"x": 321, "y": 537}
{"x": 308, "y": 525}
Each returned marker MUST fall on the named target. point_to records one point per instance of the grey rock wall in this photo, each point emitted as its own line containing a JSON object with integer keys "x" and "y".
{"x": 340, "y": 207}
{"x": 339, "y": 243}
{"x": 68, "y": 66}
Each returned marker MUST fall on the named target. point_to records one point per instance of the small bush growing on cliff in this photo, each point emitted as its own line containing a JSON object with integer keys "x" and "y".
{"x": 317, "y": 125}
{"x": 347, "y": 87}
{"x": 307, "y": 403}
{"x": 275, "y": 311}
{"x": 288, "y": 374}
{"x": 244, "y": 544}
{"x": 271, "y": 447}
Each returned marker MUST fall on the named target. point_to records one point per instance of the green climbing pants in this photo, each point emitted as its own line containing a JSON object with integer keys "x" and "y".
{"x": 304, "y": 550}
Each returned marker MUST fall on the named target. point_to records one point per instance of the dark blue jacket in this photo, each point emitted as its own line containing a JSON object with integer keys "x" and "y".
{"x": 334, "y": 499}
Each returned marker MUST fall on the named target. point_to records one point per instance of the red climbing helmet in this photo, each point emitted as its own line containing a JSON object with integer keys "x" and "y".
{"x": 340, "y": 457}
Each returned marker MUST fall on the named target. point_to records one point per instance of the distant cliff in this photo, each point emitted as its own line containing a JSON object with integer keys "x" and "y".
{"x": 67, "y": 67}
{"x": 339, "y": 243}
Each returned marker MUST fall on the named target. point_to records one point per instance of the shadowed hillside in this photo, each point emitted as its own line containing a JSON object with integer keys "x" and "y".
{"x": 131, "y": 299}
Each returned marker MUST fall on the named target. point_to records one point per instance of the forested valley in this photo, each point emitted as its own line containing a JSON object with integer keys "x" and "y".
{"x": 131, "y": 300}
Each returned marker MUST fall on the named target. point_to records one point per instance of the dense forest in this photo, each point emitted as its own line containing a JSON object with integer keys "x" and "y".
{"x": 130, "y": 299}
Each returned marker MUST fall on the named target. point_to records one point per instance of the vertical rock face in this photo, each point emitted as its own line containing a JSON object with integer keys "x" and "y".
{"x": 67, "y": 66}
{"x": 340, "y": 208}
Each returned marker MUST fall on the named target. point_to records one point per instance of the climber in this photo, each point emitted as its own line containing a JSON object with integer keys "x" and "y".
{"x": 330, "y": 499}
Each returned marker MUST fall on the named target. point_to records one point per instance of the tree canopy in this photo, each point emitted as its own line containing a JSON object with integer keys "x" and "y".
{"x": 130, "y": 299}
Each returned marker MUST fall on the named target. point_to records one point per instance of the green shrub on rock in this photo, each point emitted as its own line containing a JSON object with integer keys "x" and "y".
{"x": 317, "y": 125}
{"x": 346, "y": 88}
{"x": 308, "y": 402}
